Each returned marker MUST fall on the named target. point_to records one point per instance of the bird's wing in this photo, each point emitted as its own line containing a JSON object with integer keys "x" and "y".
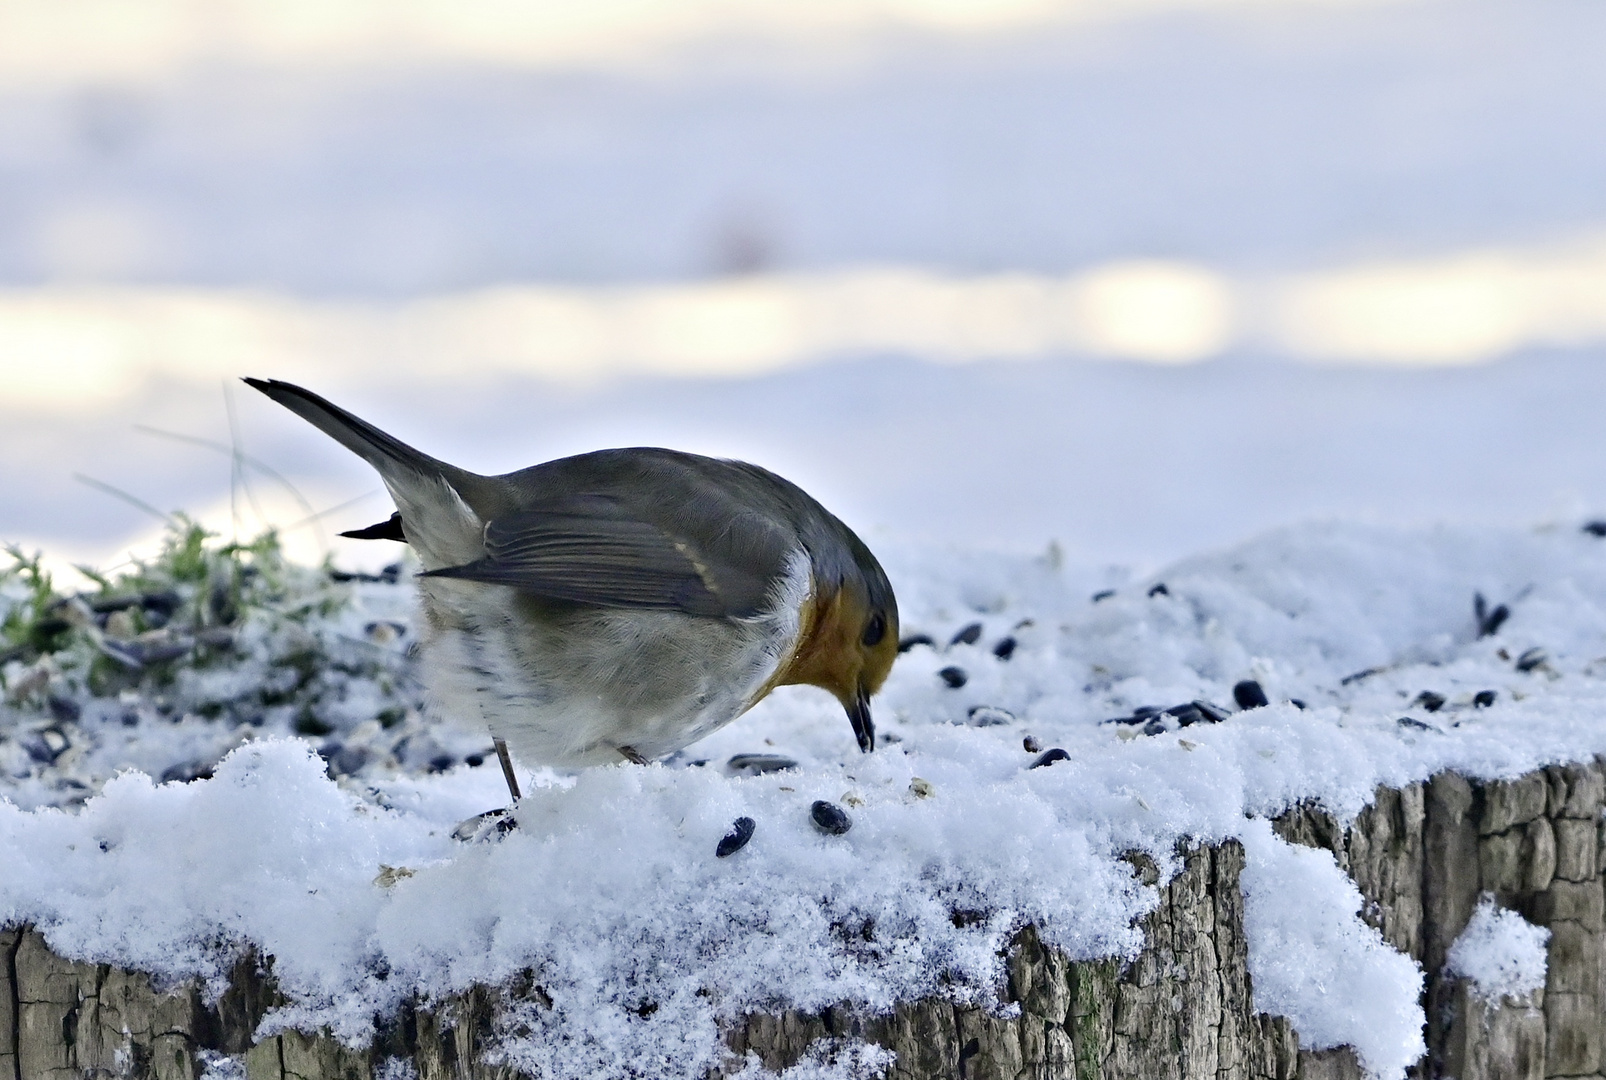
{"x": 594, "y": 550}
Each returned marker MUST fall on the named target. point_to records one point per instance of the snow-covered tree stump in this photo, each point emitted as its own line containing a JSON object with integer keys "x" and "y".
{"x": 1184, "y": 1008}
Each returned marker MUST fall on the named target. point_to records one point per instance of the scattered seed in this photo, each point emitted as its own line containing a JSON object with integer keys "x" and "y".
{"x": 1031, "y": 745}
{"x": 1215, "y": 714}
{"x": 1489, "y": 621}
{"x": 1159, "y": 589}
{"x": 989, "y": 716}
{"x": 955, "y": 677}
{"x": 1186, "y": 715}
{"x": 491, "y": 825}
{"x": 185, "y": 771}
{"x": 1048, "y": 757}
{"x": 852, "y": 798}
{"x": 215, "y": 636}
{"x": 1430, "y": 701}
{"x": 1154, "y": 727}
{"x": 1534, "y": 657}
{"x": 1186, "y": 745}
{"x": 120, "y": 624}
{"x": 1296, "y": 703}
{"x": 1483, "y": 698}
{"x": 1595, "y": 528}
{"x": 47, "y": 745}
{"x": 1103, "y": 594}
{"x": 1365, "y": 673}
{"x": 921, "y": 788}
{"x": 914, "y": 639}
{"x": 1005, "y": 648}
{"x": 735, "y": 840}
{"x": 759, "y": 764}
{"x": 830, "y": 818}
{"x": 967, "y": 636}
{"x": 1249, "y": 695}
{"x": 65, "y": 709}
{"x": 389, "y": 875}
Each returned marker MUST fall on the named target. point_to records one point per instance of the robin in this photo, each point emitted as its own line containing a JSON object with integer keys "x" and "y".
{"x": 621, "y": 604}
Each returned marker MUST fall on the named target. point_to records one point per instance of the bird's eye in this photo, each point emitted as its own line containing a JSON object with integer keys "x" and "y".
{"x": 875, "y": 631}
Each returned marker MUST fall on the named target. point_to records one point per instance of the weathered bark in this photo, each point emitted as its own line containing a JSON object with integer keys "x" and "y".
{"x": 1184, "y": 1008}
{"x": 1423, "y": 856}
{"x": 1181, "y": 1009}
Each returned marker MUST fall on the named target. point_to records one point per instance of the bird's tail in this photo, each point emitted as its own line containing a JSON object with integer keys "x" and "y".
{"x": 430, "y": 495}
{"x": 385, "y": 453}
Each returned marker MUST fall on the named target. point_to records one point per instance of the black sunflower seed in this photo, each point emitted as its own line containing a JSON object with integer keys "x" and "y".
{"x": 989, "y": 716}
{"x": 735, "y": 840}
{"x": 830, "y": 818}
{"x": 1489, "y": 620}
{"x": 967, "y": 636}
{"x": 1048, "y": 757}
{"x": 1249, "y": 695}
{"x": 759, "y": 764}
{"x": 955, "y": 677}
{"x": 914, "y": 639}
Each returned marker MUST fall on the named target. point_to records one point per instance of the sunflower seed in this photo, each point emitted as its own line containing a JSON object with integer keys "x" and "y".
{"x": 735, "y": 840}
{"x": 967, "y": 636}
{"x": 1249, "y": 695}
{"x": 759, "y": 764}
{"x": 830, "y": 818}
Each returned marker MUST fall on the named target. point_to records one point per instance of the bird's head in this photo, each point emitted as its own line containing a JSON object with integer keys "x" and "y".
{"x": 848, "y": 639}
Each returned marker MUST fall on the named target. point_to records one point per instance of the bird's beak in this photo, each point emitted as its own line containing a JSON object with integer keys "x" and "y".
{"x": 859, "y": 717}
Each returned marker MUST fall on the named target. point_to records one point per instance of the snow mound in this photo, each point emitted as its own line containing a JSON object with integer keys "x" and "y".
{"x": 1314, "y": 961}
{"x": 1501, "y": 952}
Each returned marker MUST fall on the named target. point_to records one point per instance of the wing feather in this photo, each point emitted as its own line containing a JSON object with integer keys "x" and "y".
{"x": 594, "y": 550}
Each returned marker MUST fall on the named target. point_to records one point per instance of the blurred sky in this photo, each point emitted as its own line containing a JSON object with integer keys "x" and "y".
{"x": 1140, "y": 276}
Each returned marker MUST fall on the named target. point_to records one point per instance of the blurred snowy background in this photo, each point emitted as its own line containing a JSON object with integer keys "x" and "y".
{"x": 1140, "y": 276}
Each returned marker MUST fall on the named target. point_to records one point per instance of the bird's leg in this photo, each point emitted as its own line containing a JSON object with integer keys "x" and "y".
{"x": 629, "y": 754}
{"x": 507, "y": 768}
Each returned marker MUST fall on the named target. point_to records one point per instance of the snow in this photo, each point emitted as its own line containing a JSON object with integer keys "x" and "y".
{"x": 1502, "y": 953}
{"x": 1314, "y": 961}
{"x": 644, "y": 942}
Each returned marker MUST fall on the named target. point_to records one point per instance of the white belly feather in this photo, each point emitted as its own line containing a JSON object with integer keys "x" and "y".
{"x": 569, "y": 689}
